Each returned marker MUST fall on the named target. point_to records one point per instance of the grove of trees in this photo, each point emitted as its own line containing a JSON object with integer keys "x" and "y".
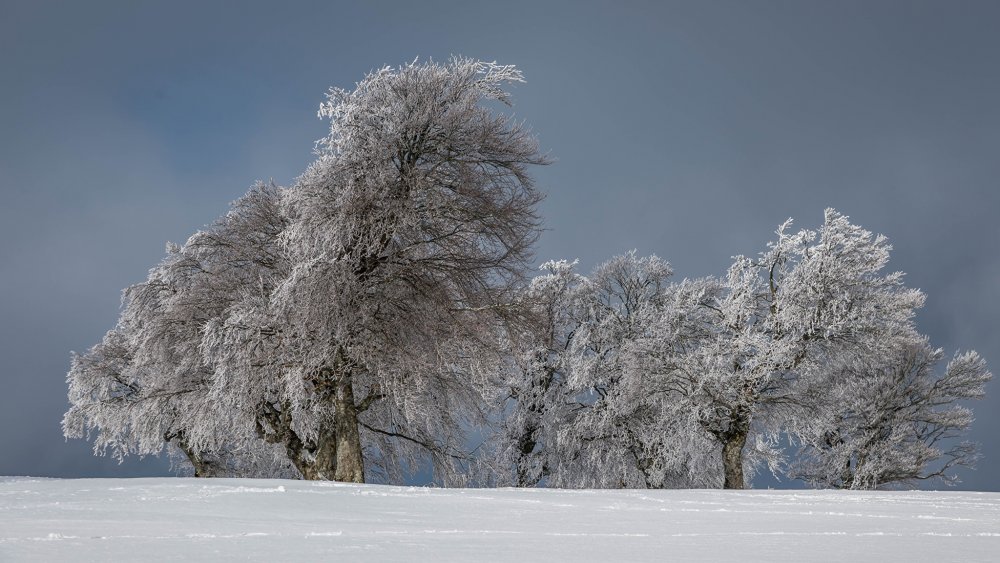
{"x": 378, "y": 318}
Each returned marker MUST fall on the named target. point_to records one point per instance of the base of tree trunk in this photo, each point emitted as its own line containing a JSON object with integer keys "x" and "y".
{"x": 732, "y": 461}
{"x": 350, "y": 457}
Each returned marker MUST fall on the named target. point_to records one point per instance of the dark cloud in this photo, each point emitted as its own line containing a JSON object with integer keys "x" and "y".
{"x": 686, "y": 129}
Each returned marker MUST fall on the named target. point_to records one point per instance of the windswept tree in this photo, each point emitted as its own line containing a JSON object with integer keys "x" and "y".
{"x": 353, "y": 332}
{"x": 407, "y": 236}
{"x": 145, "y": 384}
{"x": 891, "y": 419}
{"x": 616, "y": 438}
{"x": 743, "y": 357}
{"x": 536, "y": 398}
{"x": 579, "y": 413}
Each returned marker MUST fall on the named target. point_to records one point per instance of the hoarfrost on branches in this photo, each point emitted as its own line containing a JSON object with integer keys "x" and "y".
{"x": 363, "y": 322}
{"x": 637, "y": 382}
{"x": 352, "y": 326}
{"x": 146, "y": 384}
{"x": 892, "y": 419}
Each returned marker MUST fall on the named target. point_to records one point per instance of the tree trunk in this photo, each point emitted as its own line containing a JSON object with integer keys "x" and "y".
{"x": 202, "y": 466}
{"x": 323, "y": 466}
{"x": 526, "y": 445}
{"x": 350, "y": 463}
{"x": 732, "y": 459}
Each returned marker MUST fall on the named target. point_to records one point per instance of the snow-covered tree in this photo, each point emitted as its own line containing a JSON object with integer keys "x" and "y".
{"x": 892, "y": 419}
{"x": 146, "y": 385}
{"x": 406, "y": 238}
{"x": 536, "y": 399}
{"x": 616, "y": 439}
{"x": 579, "y": 413}
{"x": 346, "y": 319}
{"x": 739, "y": 354}
{"x": 813, "y": 296}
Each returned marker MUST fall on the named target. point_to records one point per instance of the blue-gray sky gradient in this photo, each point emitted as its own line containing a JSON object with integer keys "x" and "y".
{"x": 685, "y": 129}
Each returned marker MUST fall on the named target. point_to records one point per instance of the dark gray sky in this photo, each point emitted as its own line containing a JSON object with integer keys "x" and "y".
{"x": 685, "y": 129}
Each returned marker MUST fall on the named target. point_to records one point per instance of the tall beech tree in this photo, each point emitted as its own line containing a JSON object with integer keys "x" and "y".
{"x": 399, "y": 250}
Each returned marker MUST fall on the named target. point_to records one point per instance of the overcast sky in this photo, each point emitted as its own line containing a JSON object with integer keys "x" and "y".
{"x": 685, "y": 129}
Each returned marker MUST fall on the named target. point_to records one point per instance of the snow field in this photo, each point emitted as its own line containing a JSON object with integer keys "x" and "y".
{"x": 173, "y": 519}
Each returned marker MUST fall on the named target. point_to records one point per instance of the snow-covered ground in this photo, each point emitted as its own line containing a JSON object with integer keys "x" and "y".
{"x": 211, "y": 519}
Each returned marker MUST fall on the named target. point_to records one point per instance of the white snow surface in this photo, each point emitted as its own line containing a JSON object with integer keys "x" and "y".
{"x": 174, "y": 519}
